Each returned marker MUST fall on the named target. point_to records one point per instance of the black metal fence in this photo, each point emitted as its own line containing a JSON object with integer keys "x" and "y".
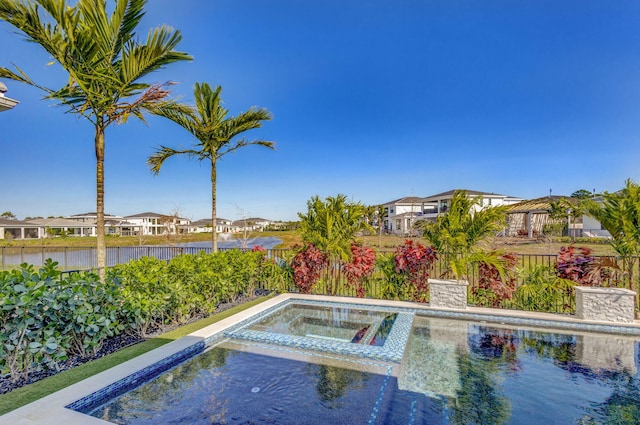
{"x": 332, "y": 281}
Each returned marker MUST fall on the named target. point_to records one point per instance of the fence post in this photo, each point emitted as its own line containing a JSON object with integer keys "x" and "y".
{"x": 444, "y": 293}
{"x": 605, "y": 304}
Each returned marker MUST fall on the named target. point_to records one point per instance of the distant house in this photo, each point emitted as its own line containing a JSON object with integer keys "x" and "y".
{"x": 440, "y": 203}
{"x": 64, "y": 227}
{"x": 113, "y": 224}
{"x": 5, "y": 102}
{"x": 592, "y": 228}
{"x": 17, "y": 229}
{"x": 223, "y": 225}
{"x": 150, "y": 223}
{"x": 402, "y": 214}
{"x": 252, "y": 224}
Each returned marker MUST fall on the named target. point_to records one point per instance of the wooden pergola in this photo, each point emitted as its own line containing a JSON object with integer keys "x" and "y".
{"x": 530, "y": 217}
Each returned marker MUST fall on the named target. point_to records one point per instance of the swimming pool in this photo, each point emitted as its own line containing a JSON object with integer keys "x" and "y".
{"x": 455, "y": 368}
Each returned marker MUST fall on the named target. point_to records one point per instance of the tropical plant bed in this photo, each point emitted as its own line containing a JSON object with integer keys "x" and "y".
{"x": 111, "y": 345}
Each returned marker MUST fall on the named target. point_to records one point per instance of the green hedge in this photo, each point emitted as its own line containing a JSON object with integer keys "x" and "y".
{"x": 47, "y": 315}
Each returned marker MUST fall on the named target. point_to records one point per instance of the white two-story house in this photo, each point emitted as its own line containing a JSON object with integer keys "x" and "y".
{"x": 150, "y": 223}
{"x": 402, "y": 214}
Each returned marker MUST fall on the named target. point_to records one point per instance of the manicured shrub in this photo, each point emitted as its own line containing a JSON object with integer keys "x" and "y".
{"x": 159, "y": 294}
{"x": 92, "y": 312}
{"x": 146, "y": 291}
{"x": 46, "y": 316}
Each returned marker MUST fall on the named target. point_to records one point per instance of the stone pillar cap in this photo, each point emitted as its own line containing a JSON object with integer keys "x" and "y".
{"x": 605, "y": 290}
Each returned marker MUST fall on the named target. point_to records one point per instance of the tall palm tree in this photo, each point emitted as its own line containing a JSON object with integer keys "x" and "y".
{"x": 104, "y": 62}
{"x": 381, "y": 213}
{"x": 214, "y": 131}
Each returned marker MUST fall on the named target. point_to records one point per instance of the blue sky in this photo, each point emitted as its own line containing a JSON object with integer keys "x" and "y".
{"x": 373, "y": 99}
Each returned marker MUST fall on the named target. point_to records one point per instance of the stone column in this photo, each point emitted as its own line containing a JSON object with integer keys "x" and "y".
{"x": 448, "y": 293}
{"x": 605, "y": 304}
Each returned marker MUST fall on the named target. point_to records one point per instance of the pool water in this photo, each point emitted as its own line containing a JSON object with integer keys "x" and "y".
{"x": 343, "y": 324}
{"x": 452, "y": 372}
{"x": 227, "y": 385}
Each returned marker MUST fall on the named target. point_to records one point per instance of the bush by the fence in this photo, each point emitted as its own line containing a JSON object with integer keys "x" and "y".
{"x": 47, "y": 316}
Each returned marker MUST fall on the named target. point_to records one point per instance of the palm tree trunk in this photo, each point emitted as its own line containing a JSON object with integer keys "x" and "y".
{"x": 101, "y": 250}
{"x": 214, "y": 232}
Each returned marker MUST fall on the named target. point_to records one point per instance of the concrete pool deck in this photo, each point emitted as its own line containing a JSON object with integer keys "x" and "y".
{"x": 51, "y": 409}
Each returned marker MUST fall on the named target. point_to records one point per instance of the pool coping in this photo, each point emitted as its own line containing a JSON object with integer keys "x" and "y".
{"x": 51, "y": 409}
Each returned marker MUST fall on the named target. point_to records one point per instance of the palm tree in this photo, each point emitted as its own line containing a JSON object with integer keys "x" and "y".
{"x": 104, "y": 62}
{"x": 381, "y": 213}
{"x": 214, "y": 131}
{"x": 332, "y": 225}
{"x": 619, "y": 214}
{"x": 456, "y": 234}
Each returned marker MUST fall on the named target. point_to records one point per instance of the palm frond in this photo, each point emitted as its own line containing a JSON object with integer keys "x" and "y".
{"x": 157, "y": 159}
{"x": 20, "y": 76}
{"x": 181, "y": 114}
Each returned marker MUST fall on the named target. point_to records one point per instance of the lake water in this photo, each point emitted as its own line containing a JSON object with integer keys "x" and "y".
{"x": 73, "y": 258}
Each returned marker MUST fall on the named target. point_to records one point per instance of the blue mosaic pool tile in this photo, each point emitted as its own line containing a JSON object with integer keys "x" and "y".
{"x": 391, "y": 351}
{"x": 93, "y": 400}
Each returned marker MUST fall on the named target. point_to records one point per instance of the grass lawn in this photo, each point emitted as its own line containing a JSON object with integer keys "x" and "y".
{"x": 37, "y": 390}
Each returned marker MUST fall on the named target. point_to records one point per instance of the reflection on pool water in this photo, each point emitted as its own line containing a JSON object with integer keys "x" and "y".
{"x": 452, "y": 372}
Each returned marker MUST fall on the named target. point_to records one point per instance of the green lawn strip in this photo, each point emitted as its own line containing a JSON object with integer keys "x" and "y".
{"x": 29, "y": 393}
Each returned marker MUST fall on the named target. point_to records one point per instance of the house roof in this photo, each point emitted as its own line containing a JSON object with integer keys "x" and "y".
{"x": 58, "y": 222}
{"x": 406, "y": 200}
{"x": 5, "y": 222}
{"x": 469, "y": 193}
{"x": 207, "y": 221}
{"x": 253, "y": 220}
{"x": 539, "y": 204}
{"x": 146, "y": 214}
{"x": 91, "y": 214}
{"x": 448, "y": 194}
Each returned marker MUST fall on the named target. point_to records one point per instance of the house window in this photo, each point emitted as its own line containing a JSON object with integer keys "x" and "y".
{"x": 391, "y": 211}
